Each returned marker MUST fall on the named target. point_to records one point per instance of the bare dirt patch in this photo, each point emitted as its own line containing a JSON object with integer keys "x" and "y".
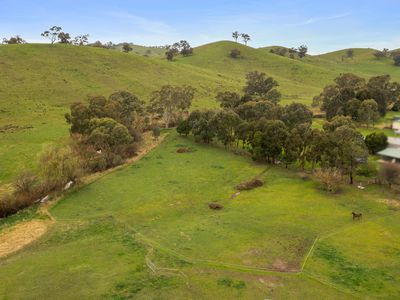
{"x": 22, "y": 234}
{"x": 392, "y": 203}
{"x": 283, "y": 266}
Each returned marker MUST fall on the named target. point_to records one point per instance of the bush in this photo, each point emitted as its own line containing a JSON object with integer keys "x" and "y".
{"x": 235, "y": 53}
{"x": 25, "y": 183}
{"x": 156, "y": 132}
{"x": 183, "y": 127}
{"x": 376, "y": 142}
{"x": 367, "y": 170}
{"x": 248, "y": 185}
{"x": 330, "y": 179}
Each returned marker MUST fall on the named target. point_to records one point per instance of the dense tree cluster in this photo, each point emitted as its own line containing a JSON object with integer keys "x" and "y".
{"x": 182, "y": 47}
{"x": 273, "y": 133}
{"x": 14, "y": 40}
{"x": 364, "y": 101}
{"x": 55, "y": 34}
{"x": 301, "y": 51}
{"x": 245, "y": 37}
{"x": 107, "y": 128}
{"x": 171, "y": 102}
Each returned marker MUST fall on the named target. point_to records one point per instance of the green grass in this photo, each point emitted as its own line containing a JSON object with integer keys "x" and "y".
{"x": 158, "y": 210}
{"x": 35, "y": 95}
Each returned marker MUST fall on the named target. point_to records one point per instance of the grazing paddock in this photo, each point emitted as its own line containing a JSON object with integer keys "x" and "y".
{"x": 146, "y": 231}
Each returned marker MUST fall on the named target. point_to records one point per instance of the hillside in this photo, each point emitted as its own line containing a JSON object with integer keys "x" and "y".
{"x": 35, "y": 94}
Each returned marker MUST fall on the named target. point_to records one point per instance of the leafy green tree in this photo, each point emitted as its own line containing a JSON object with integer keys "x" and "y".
{"x": 185, "y": 49}
{"x": 203, "y": 126}
{"x": 226, "y": 123}
{"x": 235, "y": 35}
{"x": 338, "y": 121}
{"x": 368, "y": 112}
{"x": 79, "y": 118}
{"x": 269, "y": 140}
{"x": 183, "y": 127}
{"x": 228, "y": 99}
{"x": 350, "y": 150}
{"x": 82, "y": 40}
{"x": 352, "y": 108}
{"x": 302, "y": 51}
{"x": 299, "y": 143}
{"x": 335, "y": 97}
{"x": 14, "y": 40}
{"x": 376, "y": 142}
{"x": 245, "y": 37}
{"x": 123, "y": 106}
{"x": 296, "y": 113}
{"x": 52, "y": 33}
{"x": 258, "y": 84}
{"x": 383, "y": 91}
{"x": 126, "y": 47}
{"x": 172, "y": 51}
{"x": 64, "y": 38}
{"x": 170, "y": 101}
{"x": 106, "y": 133}
{"x": 255, "y": 110}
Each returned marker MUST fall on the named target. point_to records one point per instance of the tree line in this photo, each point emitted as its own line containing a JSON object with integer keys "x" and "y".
{"x": 275, "y": 134}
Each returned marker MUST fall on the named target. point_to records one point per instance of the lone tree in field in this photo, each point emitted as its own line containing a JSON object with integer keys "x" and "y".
{"x": 14, "y": 40}
{"x": 126, "y": 47}
{"x": 171, "y": 101}
{"x": 64, "y": 38}
{"x": 235, "y": 35}
{"x": 302, "y": 51}
{"x": 246, "y": 38}
{"x": 52, "y": 33}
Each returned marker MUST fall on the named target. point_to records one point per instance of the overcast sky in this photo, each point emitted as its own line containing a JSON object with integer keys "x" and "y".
{"x": 322, "y": 25}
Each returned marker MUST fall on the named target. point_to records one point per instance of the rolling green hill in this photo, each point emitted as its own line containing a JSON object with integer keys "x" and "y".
{"x": 40, "y": 81}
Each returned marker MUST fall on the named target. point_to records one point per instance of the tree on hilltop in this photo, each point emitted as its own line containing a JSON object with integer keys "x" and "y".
{"x": 246, "y": 38}
{"x": 52, "y": 33}
{"x": 235, "y": 35}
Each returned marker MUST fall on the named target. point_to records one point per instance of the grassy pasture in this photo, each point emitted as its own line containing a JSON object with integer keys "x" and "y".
{"x": 40, "y": 81}
{"x": 156, "y": 210}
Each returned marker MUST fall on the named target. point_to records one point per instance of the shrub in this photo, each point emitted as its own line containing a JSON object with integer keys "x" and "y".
{"x": 376, "y": 142}
{"x": 235, "y": 53}
{"x": 396, "y": 106}
{"x": 156, "y": 132}
{"x": 183, "y": 127}
{"x": 367, "y": 170}
{"x": 248, "y": 185}
{"x": 25, "y": 183}
{"x": 330, "y": 179}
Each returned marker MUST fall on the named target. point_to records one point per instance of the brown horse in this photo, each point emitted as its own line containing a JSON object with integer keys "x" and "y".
{"x": 356, "y": 216}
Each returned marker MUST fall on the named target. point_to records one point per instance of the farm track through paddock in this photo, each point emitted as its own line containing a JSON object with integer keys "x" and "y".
{"x": 152, "y": 243}
{"x": 24, "y": 233}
